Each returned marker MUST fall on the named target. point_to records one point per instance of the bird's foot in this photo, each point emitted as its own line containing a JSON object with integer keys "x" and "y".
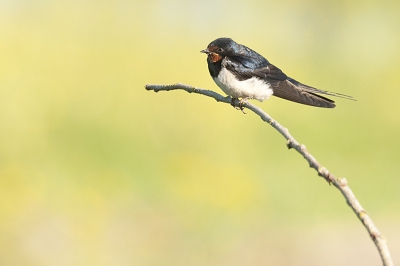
{"x": 233, "y": 102}
{"x": 240, "y": 106}
{"x": 243, "y": 101}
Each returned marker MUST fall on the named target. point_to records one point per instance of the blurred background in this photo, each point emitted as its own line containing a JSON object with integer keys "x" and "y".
{"x": 95, "y": 170}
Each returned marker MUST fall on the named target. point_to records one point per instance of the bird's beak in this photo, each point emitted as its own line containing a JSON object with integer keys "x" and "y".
{"x": 205, "y": 51}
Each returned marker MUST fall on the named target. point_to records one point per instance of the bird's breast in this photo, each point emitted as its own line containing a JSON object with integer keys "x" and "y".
{"x": 254, "y": 87}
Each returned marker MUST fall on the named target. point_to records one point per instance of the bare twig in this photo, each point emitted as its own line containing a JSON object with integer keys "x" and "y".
{"x": 338, "y": 182}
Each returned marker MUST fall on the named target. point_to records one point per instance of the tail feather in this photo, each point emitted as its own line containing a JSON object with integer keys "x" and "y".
{"x": 315, "y": 90}
{"x": 295, "y": 91}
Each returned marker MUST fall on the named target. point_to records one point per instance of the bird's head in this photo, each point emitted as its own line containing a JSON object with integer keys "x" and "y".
{"x": 220, "y": 48}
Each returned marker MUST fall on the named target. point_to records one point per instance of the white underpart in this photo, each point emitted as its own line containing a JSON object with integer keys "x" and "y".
{"x": 254, "y": 88}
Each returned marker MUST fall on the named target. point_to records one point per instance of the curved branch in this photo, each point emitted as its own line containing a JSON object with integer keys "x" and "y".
{"x": 339, "y": 182}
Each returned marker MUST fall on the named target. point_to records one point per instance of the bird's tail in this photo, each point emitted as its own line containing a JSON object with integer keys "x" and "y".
{"x": 295, "y": 91}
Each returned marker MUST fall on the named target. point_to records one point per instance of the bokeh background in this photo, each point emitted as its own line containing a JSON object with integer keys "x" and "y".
{"x": 95, "y": 170}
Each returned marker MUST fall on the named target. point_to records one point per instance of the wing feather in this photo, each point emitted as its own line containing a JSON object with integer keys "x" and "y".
{"x": 283, "y": 86}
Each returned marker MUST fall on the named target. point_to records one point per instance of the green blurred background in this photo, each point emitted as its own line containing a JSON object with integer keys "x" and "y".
{"x": 95, "y": 170}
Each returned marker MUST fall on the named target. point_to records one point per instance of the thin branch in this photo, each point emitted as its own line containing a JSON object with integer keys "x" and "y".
{"x": 338, "y": 182}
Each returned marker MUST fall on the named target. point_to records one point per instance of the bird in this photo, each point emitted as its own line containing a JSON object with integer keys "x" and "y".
{"x": 243, "y": 73}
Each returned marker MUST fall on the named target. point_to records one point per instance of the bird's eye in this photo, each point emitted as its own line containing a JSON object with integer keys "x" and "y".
{"x": 220, "y": 50}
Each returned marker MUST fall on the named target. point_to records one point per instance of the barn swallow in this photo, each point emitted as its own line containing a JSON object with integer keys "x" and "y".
{"x": 243, "y": 73}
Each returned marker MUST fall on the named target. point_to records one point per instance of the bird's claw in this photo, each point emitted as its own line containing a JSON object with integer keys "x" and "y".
{"x": 240, "y": 106}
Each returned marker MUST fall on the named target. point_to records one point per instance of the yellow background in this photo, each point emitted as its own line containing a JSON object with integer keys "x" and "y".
{"x": 95, "y": 170}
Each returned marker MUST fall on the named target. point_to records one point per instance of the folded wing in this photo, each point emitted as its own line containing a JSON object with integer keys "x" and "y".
{"x": 282, "y": 85}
